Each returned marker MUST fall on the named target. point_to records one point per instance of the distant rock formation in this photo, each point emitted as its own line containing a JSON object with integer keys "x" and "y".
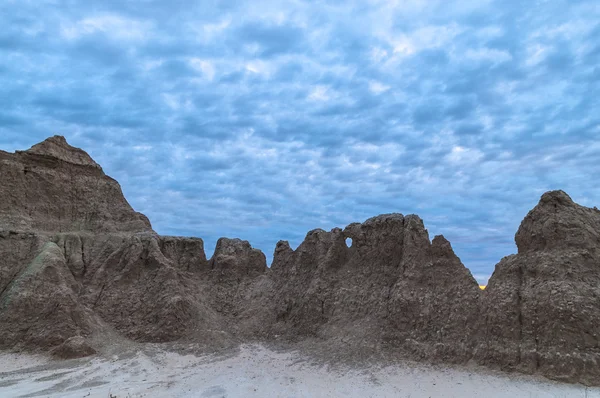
{"x": 76, "y": 262}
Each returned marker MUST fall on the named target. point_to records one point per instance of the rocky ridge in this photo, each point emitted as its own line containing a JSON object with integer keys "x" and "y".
{"x": 77, "y": 262}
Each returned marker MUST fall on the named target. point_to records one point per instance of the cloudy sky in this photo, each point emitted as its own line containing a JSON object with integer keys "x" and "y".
{"x": 263, "y": 120}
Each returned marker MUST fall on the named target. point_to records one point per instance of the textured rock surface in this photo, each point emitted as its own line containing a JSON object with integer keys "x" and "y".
{"x": 392, "y": 287}
{"x": 39, "y": 307}
{"x": 542, "y": 306}
{"x": 76, "y": 259}
{"x": 74, "y": 347}
{"x": 77, "y": 263}
{"x": 54, "y": 187}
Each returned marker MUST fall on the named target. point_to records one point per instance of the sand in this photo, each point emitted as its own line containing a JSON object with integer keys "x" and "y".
{"x": 255, "y": 371}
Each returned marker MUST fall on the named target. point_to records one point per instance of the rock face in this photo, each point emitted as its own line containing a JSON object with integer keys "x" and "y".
{"x": 40, "y": 307}
{"x": 54, "y": 187}
{"x": 392, "y": 287}
{"x": 75, "y": 256}
{"x": 77, "y": 261}
{"x": 542, "y": 306}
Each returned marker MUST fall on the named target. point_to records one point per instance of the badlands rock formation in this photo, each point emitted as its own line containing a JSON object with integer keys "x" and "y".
{"x": 78, "y": 263}
{"x": 541, "y": 309}
{"x": 392, "y": 286}
{"x": 54, "y": 187}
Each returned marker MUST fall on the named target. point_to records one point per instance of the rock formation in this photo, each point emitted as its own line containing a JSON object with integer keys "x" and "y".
{"x": 40, "y": 306}
{"x": 392, "y": 286}
{"x": 77, "y": 262}
{"x": 541, "y": 309}
{"x": 54, "y": 187}
{"x": 75, "y": 255}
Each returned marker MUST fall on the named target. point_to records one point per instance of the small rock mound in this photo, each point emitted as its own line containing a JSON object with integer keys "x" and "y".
{"x": 74, "y": 347}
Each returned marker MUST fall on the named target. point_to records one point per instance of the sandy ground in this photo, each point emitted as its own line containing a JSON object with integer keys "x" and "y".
{"x": 255, "y": 371}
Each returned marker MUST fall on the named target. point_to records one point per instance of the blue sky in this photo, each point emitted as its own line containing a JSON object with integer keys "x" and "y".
{"x": 263, "y": 120}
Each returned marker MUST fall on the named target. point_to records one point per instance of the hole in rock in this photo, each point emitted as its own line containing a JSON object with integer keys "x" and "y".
{"x": 349, "y": 242}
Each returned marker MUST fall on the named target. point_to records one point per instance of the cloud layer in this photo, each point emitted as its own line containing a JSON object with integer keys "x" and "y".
{"x": 263, "y": 120}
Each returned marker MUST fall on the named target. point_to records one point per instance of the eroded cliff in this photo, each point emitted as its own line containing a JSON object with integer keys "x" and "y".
{"x": 77, "y": 261}
{"x": 541, "y": 309}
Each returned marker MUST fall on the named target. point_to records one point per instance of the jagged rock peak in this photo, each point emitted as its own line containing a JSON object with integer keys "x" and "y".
{"x": 440, "y": 240}
{"x": 556, "y": 197}
{"x": 356, "y": 229}
{"x": 557, "y": 222}
{"x": 58, "y": 147}
{"x": 283, "y": 246}
{"x": 237, "y": 256}
{"x": 410, "y": 221}
{"x": 382, "y": 218}
{"x": 441, "y": 247}
{"x": 54, "y": 187}
{"x": 316, "y": 232}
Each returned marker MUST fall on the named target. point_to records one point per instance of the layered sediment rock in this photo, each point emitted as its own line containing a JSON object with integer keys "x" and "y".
{"x": 76, "y": 259}
{"x": 391, "y": 287}
{"x": 39, "y": 307}
{"x": 74, "y": 253}
{"x": 541, "y": 309}
{"x": 54, "y": 187}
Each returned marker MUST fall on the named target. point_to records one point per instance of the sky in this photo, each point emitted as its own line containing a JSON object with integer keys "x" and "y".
{"x": 264, "y": 120}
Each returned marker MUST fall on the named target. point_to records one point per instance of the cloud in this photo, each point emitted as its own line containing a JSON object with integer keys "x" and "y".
{"x": 265, "y": 120}
{"x": 112, "y": 26}
{"x": 266, "y": 39}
